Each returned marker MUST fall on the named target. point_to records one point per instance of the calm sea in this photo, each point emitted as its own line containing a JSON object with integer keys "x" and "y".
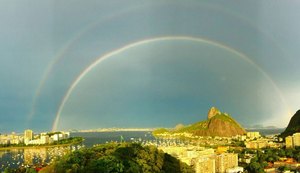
{"x": 92, "y": 138}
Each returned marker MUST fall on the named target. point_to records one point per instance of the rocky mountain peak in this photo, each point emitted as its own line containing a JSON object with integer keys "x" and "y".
{"x": 217, "y": 124}
{"x": 213, "y": 112}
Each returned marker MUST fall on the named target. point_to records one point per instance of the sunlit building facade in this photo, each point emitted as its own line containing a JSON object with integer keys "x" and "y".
{"x": 28, "y": 134}
{"x": 257, "y": 144}
{"x": 296, "y": 139}
{"x": 289, "y": 142}
{"x": 292, "y": 141}
{"x": 253, "y": 135}
{"x": 205, "y": 164}
{"x": 226, "y": 161}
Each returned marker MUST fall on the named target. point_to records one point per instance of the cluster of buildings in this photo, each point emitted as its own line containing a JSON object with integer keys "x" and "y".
{"x": 205, "y": 159}
{"x": 253, "y": 135}
{"x": 292, "y": 141}
{"x": 12, "y": 138}
{"x": 263, "y": 143}
{"x": 206, "y": 140}
{"x": 253, "y": 140}
{"x": 219, "y": 160}
{"x": 44, "y": 138}
{"x": 289, "y": 163}
{"x": 30, "y": 139}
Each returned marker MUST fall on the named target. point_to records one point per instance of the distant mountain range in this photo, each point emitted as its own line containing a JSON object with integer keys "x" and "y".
{"x": 262, "y": 127}
{"x": 114, "y": 129}
{"x": 294, "y": 125}
{"x": 217, "y": 124}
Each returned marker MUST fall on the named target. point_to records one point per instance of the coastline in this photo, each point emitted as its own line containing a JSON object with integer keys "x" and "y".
{"x": 116, "y": 130}
{"x": 39, "y": 146}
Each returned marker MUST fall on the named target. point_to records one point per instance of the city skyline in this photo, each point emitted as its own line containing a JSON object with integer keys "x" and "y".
{"x": 98, "y": 64}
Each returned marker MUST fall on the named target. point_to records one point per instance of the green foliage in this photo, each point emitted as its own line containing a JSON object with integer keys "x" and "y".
{"x": 31, "y": 170}
{"x": 12, "y": 145}
{"x": 255, "y": 167}
{"x": 173, "y": 165}
{"x": 53, "y": 133}
{"x": 7, "y": 170}
{"x": 297, "y": 156}
{"x": 202, "y": 125}
{"x": 105, "y": 164}
{"x": 239, "y": 143}
{"x": 20, "y": 170}
{"x": 227, "y": 118}
{"x": 120, "y": 157}
{"x": 159, "y": 131}
{"x": 283, "y": 168}
{"x": 71, "y": 140}
{"x": 262, "y": 157}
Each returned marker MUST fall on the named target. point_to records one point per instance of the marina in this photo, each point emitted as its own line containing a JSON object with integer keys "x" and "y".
{"x": 44, "y": 155}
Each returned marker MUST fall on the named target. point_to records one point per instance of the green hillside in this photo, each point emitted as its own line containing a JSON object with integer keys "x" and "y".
{"x": 293, "y": 126}
{"x": 226, "y": 118}
{"x": 217, "y": 124}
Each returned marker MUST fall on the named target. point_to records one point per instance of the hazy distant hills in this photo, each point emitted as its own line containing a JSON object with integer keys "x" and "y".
{"x": 294, "y": 125}
{"x": 217, "y": 124}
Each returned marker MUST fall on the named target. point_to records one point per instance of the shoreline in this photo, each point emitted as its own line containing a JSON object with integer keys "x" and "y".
{"x": 38, "y": 146}
{"x": 113, "y": 130}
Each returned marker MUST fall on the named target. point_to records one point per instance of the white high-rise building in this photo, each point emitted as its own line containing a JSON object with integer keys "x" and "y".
{"x": 28, "y": 136}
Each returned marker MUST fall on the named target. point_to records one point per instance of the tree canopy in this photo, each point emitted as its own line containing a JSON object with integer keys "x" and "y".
{"x": 119, "y": 157}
